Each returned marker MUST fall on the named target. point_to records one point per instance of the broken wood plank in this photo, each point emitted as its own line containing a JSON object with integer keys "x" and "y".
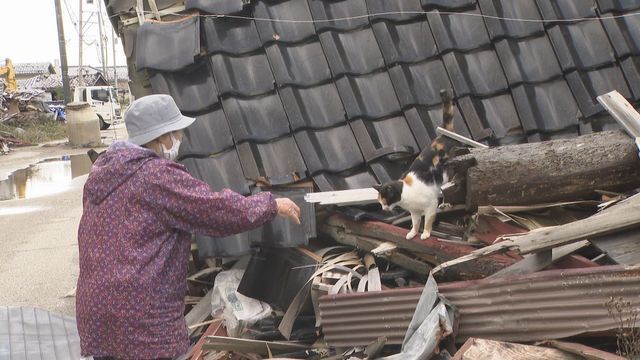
{"x": 264, "y": 348}
{"x": 622, "y": 247}
{"x": 343, "y": 197}
{"x": 199, "y": 313}
{"x": 482, "y": 349}
{"x": 430, "y": 250}
{"x": 624, "y": 215}
{"x": 522, "y": 174}
{"x": 584, "y": 351}
{"x": 622, "y": 111}
{"x": 536, "y": 262}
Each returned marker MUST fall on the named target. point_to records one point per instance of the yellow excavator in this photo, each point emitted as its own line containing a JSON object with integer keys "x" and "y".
{"x": 10, "y": 74}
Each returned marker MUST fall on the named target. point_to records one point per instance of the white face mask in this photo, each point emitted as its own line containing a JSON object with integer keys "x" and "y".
{"x": 171, "y": 154}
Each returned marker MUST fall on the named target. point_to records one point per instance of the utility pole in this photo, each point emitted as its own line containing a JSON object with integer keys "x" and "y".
{"x": 113, "y": 49}
{"x": 80, "y": 43}
{"x": 63, "y": 54}
{"x": 102, "y": 38}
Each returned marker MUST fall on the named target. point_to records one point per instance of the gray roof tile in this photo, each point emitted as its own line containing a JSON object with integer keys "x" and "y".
{"x": 232, "y": 36}
{"x": 520, "y": 9}
{"x": 587, "y": 85}
{"x": 279, "y": 161}
{"x": 215, "y": 7}
{"x": 385, "y": 138}
{"x": 209, "y": 134}
{"x": 458, "y": 32}
{"x": 497, "y": 113}
{"x": 193, "y": 89}
{"x": 351, "y": 14}
{"x": 476, "y": 73}
{"x": 355, "y": 52}
{"x": 624, "y": 34}
{"x": 447, "y": 4}
{"x": 410, "y": 9}
{"x": 582, "y": 45}
{"x": 369, "y": 96}
{"x": 618, "y": 5}
{"x": 546, "y": 107}
{"x": 315, "y": 107}
{"x": 167, "y": 46}
{"x": 345, "y": 181}
{"x": 405, "y": 42}
{"x": 563, "y": 10}
{"x": 301, "y": 65}
{"x": 247, "y": 75}
{"x": 284, "y": 31}
{"x": 631, "y": 70}
{"x": 420, "y": 83}
{"x": 423, "y": 122}
{"x": 528, "y": 60}
{"x": 329, "y": 150}
{"x": 259, "y": 118}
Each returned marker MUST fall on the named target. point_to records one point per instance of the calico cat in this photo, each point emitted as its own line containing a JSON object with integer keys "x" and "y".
{"x": 418, "y": 189}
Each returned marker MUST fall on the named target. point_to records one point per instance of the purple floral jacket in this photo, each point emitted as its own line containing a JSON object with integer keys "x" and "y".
{"x": 134, "y": 242}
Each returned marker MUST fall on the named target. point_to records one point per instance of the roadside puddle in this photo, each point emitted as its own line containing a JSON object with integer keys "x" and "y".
{"x": 47, "y": 177}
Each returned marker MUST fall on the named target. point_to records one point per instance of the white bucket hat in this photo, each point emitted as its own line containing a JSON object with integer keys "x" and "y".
{"x": 153, "y": 116}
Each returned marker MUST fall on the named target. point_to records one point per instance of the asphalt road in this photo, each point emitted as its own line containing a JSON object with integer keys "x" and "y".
{"x": 38, "y": 236}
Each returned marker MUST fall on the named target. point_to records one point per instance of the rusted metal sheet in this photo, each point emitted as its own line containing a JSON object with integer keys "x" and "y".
{"x": 551, "y": 304}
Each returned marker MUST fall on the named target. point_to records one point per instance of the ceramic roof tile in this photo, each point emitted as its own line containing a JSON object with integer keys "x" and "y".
{"x": 447, "y": 4}
{"x": 497, "y": 113}
{"x": 369, "y": 96}
{"x": 618, "y": 5}
{"x": 631, "y": 70}
{"x": 423, "y": 122}
{"x": 563, "y": 10}
{"x": 345, "y": 181}
{"x": 301, "y": 65}
{"x": 624, "y": 34}
{"x": 283, "y": 233}
{"x": 476, "y": 73}
{"x": 521, "y": 9}
{"x": 546, "y": 107}
{"x": 458, "y": 32}
{"x": 601, "y": 122}
{"x": 209, "y": 134}
{"x": 260, "y": 118}
{"x": 353, "y": 14}
{"x": 354, "y": 52}
{"x": 229, "y": 35}
{"x": 246, "y": 75}
{"x": 167, "y": 46}
{"x": 329, "y": 150}
{"x": 193, "y": 89}
{"x": 229, "y": 246}
{"x": 269, "y": 161}
{"x": 283, "y": 31}
{"x": 420, "y": 83}
{"x": 583, "y": 45}
{"x": 220, "y": 171}
{"x": 587, "y": 85}
{"x": 215, "y": 7}
{"x": 409, "y": 8}
{"x": 315, "y": 107}
{"x": 406, "y": 42}
{"x": 569, "y": 133}
{"x": 389, "y": 137}
{"x": 528, "y": 60}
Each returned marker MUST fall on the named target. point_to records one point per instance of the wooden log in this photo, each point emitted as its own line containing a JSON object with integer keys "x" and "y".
{"x": 549, "y": 171}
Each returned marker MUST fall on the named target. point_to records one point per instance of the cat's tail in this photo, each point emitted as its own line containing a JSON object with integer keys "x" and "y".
{"x": 447, "y": 110}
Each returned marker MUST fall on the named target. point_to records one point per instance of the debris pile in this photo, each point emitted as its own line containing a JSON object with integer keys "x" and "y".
{"x": 514, "y": 279}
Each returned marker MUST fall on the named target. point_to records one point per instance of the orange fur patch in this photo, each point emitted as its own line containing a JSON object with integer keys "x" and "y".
{"x": 408, "y": 180}
{"x": 435, "y": 161}
{"x": 439, "y": 146}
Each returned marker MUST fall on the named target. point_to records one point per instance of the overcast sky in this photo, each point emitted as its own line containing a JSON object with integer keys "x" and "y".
{"x": 30, "y": 34}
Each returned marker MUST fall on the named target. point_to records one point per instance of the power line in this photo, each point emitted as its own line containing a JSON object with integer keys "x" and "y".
{"x": 448, "y": 13}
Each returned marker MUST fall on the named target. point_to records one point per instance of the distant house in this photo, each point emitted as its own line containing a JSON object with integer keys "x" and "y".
{"x": 29, "y": 70}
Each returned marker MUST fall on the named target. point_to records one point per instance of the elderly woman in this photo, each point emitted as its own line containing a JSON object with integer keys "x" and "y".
{"x": 139, "y": 209}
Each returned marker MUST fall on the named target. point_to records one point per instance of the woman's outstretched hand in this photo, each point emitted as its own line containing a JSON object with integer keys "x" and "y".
{"x": 288, "y": 209}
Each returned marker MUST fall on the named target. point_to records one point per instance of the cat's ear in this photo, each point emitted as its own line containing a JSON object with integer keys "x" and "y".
{"x": 377, "y": 187}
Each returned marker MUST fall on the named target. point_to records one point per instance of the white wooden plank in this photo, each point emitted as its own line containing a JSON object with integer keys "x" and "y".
{"x": 343, "y": 197}
{"x": 622, "y": 111}
{"x": 460, "y": 138}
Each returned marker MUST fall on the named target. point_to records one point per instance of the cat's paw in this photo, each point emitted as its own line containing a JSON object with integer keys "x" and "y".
{"x": 425, "y": 235}
{"x": 411, "y": 234}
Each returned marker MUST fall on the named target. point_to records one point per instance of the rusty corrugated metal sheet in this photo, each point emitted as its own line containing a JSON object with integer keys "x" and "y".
{"x": 546, "y": 305}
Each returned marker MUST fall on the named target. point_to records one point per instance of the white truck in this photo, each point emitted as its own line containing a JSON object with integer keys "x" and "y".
{"x": 104, "y": 101}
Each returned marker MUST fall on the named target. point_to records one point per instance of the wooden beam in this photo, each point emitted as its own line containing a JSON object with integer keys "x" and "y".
{"x": 622, "y": 111}
{"x": 482, "y": 349}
